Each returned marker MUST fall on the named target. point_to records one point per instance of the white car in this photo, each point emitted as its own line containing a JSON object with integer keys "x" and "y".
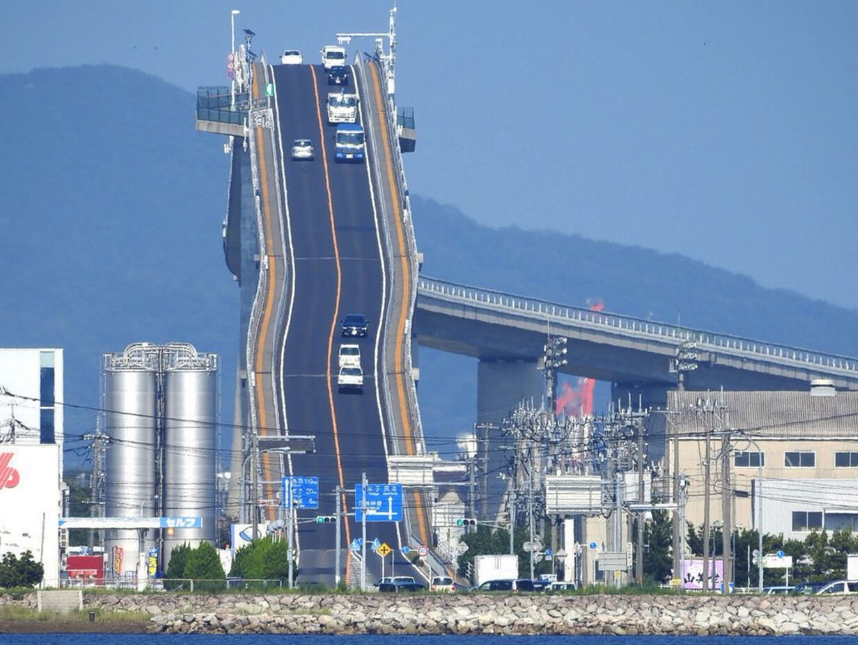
{"x": 291, "y": 57}
{"x": 839, "y": 588}
{"x": 349, "y": 355}
{"x": 302, "y": 149}
{"x": 350, "y": 379}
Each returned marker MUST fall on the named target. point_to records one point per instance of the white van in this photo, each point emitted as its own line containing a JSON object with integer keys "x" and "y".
{"x": 333, "y": 55}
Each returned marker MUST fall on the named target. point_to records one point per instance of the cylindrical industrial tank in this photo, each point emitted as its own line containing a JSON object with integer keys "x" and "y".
{"x": 190, "y": 444}
{"x": 130, "y": 400}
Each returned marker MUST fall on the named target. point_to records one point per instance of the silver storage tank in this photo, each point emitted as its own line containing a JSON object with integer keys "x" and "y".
{"x": 130, "y": 400}
{"x": 190, "y": 444}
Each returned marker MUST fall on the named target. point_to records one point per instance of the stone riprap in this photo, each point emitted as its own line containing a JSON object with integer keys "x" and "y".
{"x": 483, "y": 613}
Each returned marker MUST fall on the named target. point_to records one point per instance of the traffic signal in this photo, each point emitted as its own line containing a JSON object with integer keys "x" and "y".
{"x": 466, "y": 521}
{"x": 325, "y": 519}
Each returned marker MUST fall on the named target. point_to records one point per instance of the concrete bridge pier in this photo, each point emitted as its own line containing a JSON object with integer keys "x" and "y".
{"x": 501, "y": 386}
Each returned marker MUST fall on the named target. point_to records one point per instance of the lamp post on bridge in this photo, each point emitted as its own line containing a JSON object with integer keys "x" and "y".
{"x": 233, "y": 61}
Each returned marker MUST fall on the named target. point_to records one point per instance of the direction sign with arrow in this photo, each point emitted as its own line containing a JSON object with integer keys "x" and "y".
{"x": 383, "y": 502}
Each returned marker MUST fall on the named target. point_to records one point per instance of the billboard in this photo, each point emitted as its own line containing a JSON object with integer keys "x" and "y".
{"x": 692, "y": 574}
{"x": 30, "y": 504}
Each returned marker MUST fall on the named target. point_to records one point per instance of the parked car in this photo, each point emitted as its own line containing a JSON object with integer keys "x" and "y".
{"x": 394, "y": 579}
{"x": 561, "y": 586}
{"x": 839, "y": 588}
{"x": 399, "y": 584}
{"x": 291, "y": 57}
{"x": 778, "y": 590}
{"x": 809, "y": 588}
{"x": 442, "y": 584}
{"x": 302, "y": 149}
{"x": 522, "y": 584}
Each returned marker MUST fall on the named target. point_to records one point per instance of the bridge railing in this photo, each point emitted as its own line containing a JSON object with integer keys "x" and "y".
{"x": 637, "y": 327}
{"x": 410, "y": 240}
{"x": 256, "y": 309}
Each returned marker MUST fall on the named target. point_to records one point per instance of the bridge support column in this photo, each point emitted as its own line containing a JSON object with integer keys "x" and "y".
{"x": 501, "y": 386}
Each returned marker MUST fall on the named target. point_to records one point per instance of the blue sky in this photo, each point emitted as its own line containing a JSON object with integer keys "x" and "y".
{"x": 724, "y": 131}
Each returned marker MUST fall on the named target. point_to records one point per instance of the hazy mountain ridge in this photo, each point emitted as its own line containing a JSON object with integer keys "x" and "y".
{"x": 111, "y": 234}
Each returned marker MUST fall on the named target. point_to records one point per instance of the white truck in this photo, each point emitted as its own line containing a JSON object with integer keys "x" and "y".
{"x": 333, "y": 55}
{"x": 495, "y": 567}
{"x": 350, "y": 379}
{"x": 349, "y": 356}
{"x": 342, "y": 107}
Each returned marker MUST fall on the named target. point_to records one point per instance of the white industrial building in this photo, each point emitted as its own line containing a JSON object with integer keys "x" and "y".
{"x": 31, "y": 455}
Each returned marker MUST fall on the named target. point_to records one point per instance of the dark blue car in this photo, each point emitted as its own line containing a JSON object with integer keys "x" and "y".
{"x": 355, "y": 325}
{"x": 338, "y": 75}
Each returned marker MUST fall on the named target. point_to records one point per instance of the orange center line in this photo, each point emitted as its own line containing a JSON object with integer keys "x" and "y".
{"x": 334, "y": 426}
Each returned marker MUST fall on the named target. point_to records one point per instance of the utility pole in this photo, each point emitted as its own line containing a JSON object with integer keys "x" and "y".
{"x": 482, "y": 458}
{"x": 97, "y": 481}
{"x": 683, "y": 497}
{"x": 530, "y": 518}
{"x": 706, "y": 498}
{"x": 727, "y": 510}
{"x": 512, "y": 520}
{"x": 339, "y": 539}
{"x": 363, "y": 532}
{"x": 254, "y": 494}
{"x": 639, "y": 560}
{"x": 684, "y": 361}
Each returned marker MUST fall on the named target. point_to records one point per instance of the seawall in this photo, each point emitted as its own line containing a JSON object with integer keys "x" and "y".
{"x": 483, "y": 613}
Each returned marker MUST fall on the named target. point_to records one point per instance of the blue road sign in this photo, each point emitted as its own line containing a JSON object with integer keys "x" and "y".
{"x": 305, "y": 492}
{"x": 383, "y": 503}
{"x": 355, "y": 545}
{"x": 405, "y": 550}
{"x": 548, "y": 553}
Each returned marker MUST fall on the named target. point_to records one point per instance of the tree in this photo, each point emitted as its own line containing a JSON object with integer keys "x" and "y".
{"x": 203, "y": 563}
{"x": 200, "y": 563}
{"x": 262, "y": 559}
{"x": 657, "y": 560}
{"x": 178, "y": 558}
{"x": 20, "y": 573}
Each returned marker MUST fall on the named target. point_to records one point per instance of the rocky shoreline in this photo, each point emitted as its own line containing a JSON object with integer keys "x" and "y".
{"x": 476, "y": 614}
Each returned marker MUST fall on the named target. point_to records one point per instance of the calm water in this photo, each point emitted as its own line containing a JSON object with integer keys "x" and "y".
{"x": 272, "y": 639}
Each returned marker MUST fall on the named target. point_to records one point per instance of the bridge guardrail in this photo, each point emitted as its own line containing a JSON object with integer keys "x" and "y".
{"x": 638, "y": 327}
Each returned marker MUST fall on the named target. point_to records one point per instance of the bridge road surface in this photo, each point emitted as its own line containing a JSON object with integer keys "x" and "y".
{"x": 333, "y": 243}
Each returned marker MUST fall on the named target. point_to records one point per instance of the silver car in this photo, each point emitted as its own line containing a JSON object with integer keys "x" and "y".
{"x": 302, "y": 149}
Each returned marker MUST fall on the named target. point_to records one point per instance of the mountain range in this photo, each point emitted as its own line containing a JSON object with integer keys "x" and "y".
{"x": 111, "y": 234}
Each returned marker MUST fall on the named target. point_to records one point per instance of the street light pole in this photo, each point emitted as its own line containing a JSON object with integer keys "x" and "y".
{"x": 141, "y": 548}
{"x": 234, "y": 62}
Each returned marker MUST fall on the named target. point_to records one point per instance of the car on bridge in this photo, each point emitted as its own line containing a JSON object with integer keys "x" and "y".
{"x": 302, "y": 149}
{"x": 350, "y": 379}
{"x": 291, "y": 57}
{"x": 355, "y": 325}
{"x": 349, "y": 355}
{"x": 333, "y": 55}
{"x": 338, "y": 75}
